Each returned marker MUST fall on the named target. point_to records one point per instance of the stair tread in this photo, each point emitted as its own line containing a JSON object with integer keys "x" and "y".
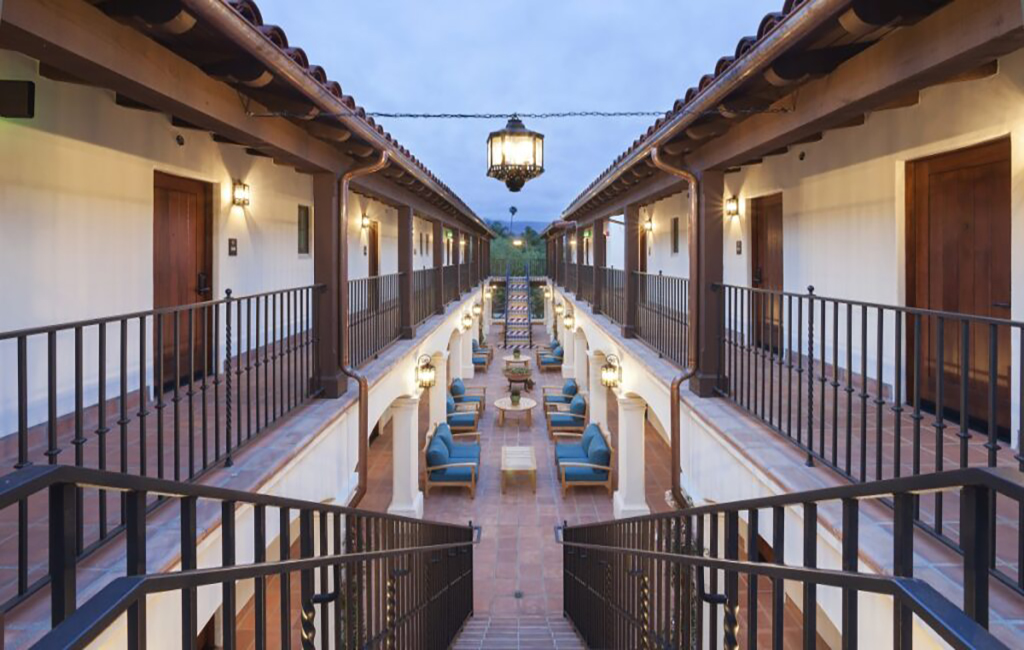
{"x": 524, "y": 632}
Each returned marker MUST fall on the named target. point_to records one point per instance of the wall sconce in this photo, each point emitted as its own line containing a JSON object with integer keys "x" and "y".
{"x": 365, "y": 222}
{"x": 547, "y": 293}
{"x": 449, "y": 235}
{"x": 489, "y": 291}
{"x": 240, "y": 194}
{"x": 467, "y": 321}
{"x": 732, "y": 207}
{"x": 649, "y": 225}
{"x": 477, "y": 309}
{"x": 611, "y": 372}
{"x": 462, "y": 242}
{"x": 559, "y": 308}
{"x": 426, "y": 374}
{"x": 586, "y": 234}
{"x": 567, "y": 321}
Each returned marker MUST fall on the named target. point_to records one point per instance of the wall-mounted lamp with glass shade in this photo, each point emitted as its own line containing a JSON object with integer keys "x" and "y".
{"x": 467, "y": 321}
{"x": 547, "y": 293}
{"x": 426, "y": 374}
{"x": 559, "y": 308}
{"x": 568, "y": 321}
{"x": 611, "y": 372}
{"x": 732, "y": 207}
{"x": 477, "y": 309}
{"x": 649, "y": 225}
{"x": 364, "y": 222}
{"x": 240, "y": 194}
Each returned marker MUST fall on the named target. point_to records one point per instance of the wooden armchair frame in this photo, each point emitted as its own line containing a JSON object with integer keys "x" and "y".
{"x": 466, "y": 407}
{"x": 471, "y": 391}
{"x": 474, "y": 473}
{"x": 563, "y": 409}
{"x": 566, "y": 484}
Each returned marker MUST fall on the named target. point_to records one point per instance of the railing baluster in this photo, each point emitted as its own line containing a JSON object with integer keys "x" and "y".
{"x": 176, "y": 395}
{"x": 810, "y": 595}
{"x": 52, "y": 450}
{"x": 752, "y": 556}
{"x": 850, "y": 560}
{"x": 101, "y": 418}
{"x": 778, "y": 584}
{"x": 897, "y": 398}
{"x": 191, "y": 393}
{"x": 79, "y": 441}
{"x": 189, "y": 561}
{"x": 879, "y": 391}
{"x": 939, "y": 424}
{"x": 284, "y": 596}
{"x": 158, "y": 388}
{"x": 135, "y": 559}
{"x": 228, "y": 608}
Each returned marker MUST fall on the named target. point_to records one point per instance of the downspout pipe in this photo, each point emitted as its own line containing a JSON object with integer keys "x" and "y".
{"x": 346, "y": 354}
{"x": 677, "y": 383}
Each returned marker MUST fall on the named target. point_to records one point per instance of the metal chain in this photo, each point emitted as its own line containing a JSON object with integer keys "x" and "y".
{"x": 496, "y": 116}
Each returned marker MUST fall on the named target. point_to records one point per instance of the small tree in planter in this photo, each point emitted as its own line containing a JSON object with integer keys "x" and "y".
{"x": 516, "y": 397}
{"x": 516, "y": 354}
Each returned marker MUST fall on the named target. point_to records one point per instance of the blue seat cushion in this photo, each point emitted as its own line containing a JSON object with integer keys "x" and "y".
{"x": 462, "y": 419}
{"x": 557, "y": 399}
{"x": 570, "y": 451}
{"x": 450, "y": 404}
{"x": 548, "y": 360}
{"x": 458, "y": 388}
{"x": 479, "y": 361}
{"x": 570, "y": 388}
{"x": 578, "y": 405}
{"x": 585, "y": 475}
{"x": 469, "y": 398}
{"x": 463, "y": 452}
{"x": 564, "y": 420}
{"x": 452, "y": 475}
{"x": 476, "y": 345}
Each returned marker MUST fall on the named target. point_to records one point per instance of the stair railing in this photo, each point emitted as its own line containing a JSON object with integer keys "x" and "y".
{"x": 508, "y": 290}
{"x": 529, "y": 308}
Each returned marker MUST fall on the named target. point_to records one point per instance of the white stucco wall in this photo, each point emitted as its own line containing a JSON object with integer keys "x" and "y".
{"x": 660, "y": 258}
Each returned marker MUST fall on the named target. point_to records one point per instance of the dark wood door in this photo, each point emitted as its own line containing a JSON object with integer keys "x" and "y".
{"x": 182, "y": 270}
{"x": 766, "y": 268}
{"x": 958, "y": 260}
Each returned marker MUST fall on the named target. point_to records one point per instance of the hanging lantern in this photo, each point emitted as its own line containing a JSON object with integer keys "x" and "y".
{"x": 477, "y": 309}
{"x": 611, "y": 372}
{"x": 241, "y": 195}
{"x": 547, "y": 293}
{"x": 515, "y": 154}
{"x": 567, "y": 321}
{"x": 467, "y": 321}
{"x": 426, "y": 374}
{"x": 559, "y": 308}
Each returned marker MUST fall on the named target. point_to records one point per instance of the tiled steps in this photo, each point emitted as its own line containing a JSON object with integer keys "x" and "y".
{"x": 496, "y": 633}
{"x": 517, "y": 317}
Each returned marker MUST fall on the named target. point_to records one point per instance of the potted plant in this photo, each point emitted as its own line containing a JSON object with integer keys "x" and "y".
{"x": 515, "y": 398}
{"x": 516, "y": 354}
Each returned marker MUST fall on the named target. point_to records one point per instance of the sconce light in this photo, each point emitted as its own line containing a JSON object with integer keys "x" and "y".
{"x": 586, "y": 234}
{"x": 517, "y": 242}
{"x": 449, "y": 235}
{"x": 426, "y": 374}
{"x": 611, "y": 372}
{"x": 559, "y": 308}
{"x": 567, "y": 321}
{"x": 547, "y": 293}
{"x": 732, "y": 207}
{"x": 649, "y": 225}
{"x": 489, "y": 291}
{"x": 477, "y": 309}
{"x": 365, "y": 222}
{"x": 467, "y": 321}
{"x": 240, "y": 194}
{"x": 462, "y": 242}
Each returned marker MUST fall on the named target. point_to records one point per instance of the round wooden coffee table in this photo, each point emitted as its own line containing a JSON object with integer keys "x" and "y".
{"x": 521, "y": 360}
{"x": 526, "y": 405}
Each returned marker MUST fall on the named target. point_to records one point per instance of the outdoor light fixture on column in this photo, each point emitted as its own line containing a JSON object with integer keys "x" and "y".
{"x": 649, "y": 225}
{"x": 611, "y": 372}
{"x": 559, "y": 308}
{"x": 515, "y": 154}
{"x": 567, "y": 321}
{"x": 240, "y": 194}
{"x": 547, "y": 293}
{"x": 477, "y": 309}
{"x": 467, "y": 321}
{"x": 365, "y": 222}
{"x": 426, "y": 374}
{"x": 732, "y": 207}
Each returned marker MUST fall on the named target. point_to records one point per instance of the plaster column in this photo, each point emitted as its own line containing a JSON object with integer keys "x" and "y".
{"x": 438, "y": 412}
{"x": 580, "y": 356}
{"x": 630, "y": 499}
{"x": 406, "y": 497}
{"x": 569, "y": 351}
{"x": 468, "y": 371}
{"x": 455, "y": 358}
{"x": 547, "y": 312}
{"x": 598, "y": 393}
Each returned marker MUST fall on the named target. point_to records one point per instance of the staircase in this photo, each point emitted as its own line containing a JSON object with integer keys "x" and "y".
{"x": 518, "y": 329}
{"x": 495, "y": 633}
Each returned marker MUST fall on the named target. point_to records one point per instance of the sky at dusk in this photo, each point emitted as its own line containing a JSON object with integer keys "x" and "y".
{"x": 464, "y": 56}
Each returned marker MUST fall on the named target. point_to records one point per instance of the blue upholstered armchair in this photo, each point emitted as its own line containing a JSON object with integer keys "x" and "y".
{"x": 550, "y": 360}
{"x": 563, "y": 395}
{"x": 468, "y": 395}
{"x": 462, "y": 417}
{"x": 570, "y": 418}
{"x": 448, "y": 460}
{"x": 482, "y": 355}
{"x": 584, "y": 458}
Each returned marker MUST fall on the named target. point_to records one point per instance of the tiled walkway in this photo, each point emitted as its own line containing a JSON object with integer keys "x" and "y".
{"x": 518, "y": 564}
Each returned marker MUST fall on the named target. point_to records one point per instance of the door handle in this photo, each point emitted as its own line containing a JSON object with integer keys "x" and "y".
{"x": 202, "y": 284}
{"x": 1001, "y": 305}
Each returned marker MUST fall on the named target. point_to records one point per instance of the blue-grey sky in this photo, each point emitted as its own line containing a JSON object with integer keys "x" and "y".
{"x": 528, "y": 56}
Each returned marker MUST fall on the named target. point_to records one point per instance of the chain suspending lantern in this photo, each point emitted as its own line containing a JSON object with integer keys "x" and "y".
{"x": 515, "y": 154}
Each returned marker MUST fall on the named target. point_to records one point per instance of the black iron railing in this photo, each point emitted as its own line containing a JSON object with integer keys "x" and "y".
{"x": 365, "y": 579}
{"x": 450, "y": 276}
{"x": 423, "y": 295}
{"x": 464, "y": 277}
{"x": 658, "y": 581}
{"x": 662, "y": 315}
{"x": 586, "y": 283}
{"x": 374, "y": 316}
{"x": 571, "y": 272}
{"x": 876, "y": 391}
{"x": 167, "y": 392}
{"x": 516, "y": 267}
{"x": 613, "y": 298}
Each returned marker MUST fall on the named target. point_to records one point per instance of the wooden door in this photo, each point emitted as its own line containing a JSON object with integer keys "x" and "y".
{"x": 766, "y": 268}
{"x": 958, "y": 260}
{"x": 182, "y": 269}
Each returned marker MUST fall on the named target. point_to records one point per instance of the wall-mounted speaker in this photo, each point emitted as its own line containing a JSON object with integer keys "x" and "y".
{"x": 17, "y": 99}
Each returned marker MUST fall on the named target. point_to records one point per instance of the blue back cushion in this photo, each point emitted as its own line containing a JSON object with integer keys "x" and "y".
{"x": 458, "y": 388}
{"x": 578, "y": 405}
{"x": 570, "y": 387}
{"x": 450, "y": 404}
{"x": 589, "y": 434}
{"x": 476, "y": 345}
{"x": 558, "y": 351}
{"x": 444, "y": 434}
{"x": 437, "y": 453}
{"x": 599, "y": 453}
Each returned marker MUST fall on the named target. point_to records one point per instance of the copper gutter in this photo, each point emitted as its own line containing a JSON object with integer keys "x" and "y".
{"x": 346, "y": 358}
{"x": 694, "y": 183}
{"x": 797, "y": 26}
{"x": 221, "y": 17}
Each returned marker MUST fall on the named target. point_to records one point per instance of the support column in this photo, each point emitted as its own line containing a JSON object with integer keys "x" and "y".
{"x": 327, "y": 242}
{"x": 632, "y": 266}
{"x": 600, "y": 260}
{"x": 630, "y": 499}
{"x": 705, "y": 271}
{"x": 406, "y": 497}
{"x": 405, "y": 219}
{"x": 580, "y": 360}
{"x": 468, "y": 371}
{"x": 597, "y": 391}
{"x": 455, "y": 358}
{"x": 438, "y": 267}
{"x": 568, "y": 348}
{"x": 438, "y": 396}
